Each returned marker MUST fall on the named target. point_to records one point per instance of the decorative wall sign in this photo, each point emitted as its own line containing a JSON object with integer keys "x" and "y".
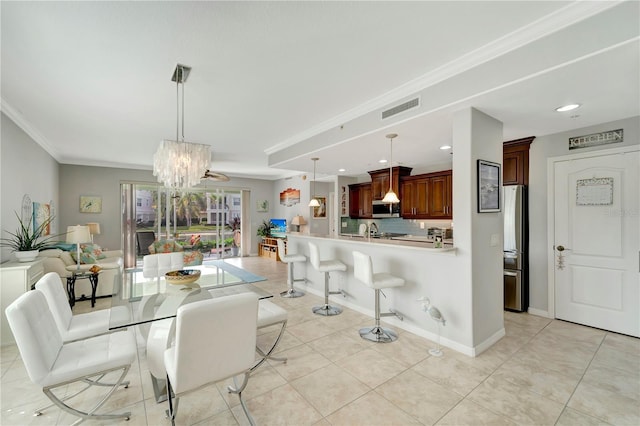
{"x": 90, "y": 204}
{"x": 27, "y": 208}
{"x": 290, "y": 197}
{"x": 262, "y": 206}
{"x": 41, "y": 214}
{"x": 488, "y": 187}
{"x": 594, "y": 192}
{"x": 595, "y": 139}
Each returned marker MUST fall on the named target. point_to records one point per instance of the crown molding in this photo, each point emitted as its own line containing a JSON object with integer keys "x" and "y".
{"x": 568, "y": 15}
{"x": 29, "y": 129}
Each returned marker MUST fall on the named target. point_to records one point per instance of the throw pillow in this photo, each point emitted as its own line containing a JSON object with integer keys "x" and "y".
{"x": 84, "y": 257}
{"x": 192, "y": 258}
{"x": 93, "y": 249}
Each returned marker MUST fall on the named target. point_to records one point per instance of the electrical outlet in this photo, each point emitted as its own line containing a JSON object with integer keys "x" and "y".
{"x": 344, "y": 224}
{"x": 421, "y": 225}
{"x": 494, "y": 240}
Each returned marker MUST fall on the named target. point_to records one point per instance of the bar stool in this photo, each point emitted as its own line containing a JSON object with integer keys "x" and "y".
{"x": 290, "y": 259}
{"x": 326, "y": 266}
{"x": 363, "y": 271}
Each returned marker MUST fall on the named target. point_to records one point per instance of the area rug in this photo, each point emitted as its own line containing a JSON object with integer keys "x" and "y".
{"x": 245, "y": 276}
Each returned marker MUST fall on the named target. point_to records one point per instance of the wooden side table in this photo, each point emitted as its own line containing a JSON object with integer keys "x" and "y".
{"x": 71, "y": 284}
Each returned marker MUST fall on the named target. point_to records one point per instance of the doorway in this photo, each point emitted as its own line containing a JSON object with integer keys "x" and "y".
{"x": 594, "y": 231}
{"x": 208, "y": 220}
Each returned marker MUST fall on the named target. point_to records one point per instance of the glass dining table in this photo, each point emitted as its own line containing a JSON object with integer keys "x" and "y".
{"x": 141, "y": 300}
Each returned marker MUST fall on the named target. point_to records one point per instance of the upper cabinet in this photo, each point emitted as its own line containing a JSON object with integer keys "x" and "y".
{"x": 515, "y": 161}
{"x": 380, "y": 181}
{"x": 427, "y": 196}
{"x": 360, "y": 206}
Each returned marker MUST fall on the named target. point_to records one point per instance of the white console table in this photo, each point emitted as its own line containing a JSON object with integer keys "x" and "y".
{"x": 16, "y": 278}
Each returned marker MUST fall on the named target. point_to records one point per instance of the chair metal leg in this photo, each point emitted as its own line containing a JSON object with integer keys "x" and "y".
{"x": 90, "y": 414}
{"x": 89, "y": 383}
{"x": 326, "y": 309}
{"x": 376, "y": 333}
{"x": 173, "y": 409}
{"x": 292, "y": 292}
{"x": 268, "y": 355}
{"x": 238, "y": 390}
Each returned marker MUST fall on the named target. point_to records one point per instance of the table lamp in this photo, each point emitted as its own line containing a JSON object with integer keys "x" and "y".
{"x": 94, "y": 229}
{"x": 77, "y": 235}
{"x": 297, "y": 221}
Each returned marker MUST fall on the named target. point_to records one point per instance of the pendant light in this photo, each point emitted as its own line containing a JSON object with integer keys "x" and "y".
{"x": 314, "y": 201}
{"x": 391, "y": 197}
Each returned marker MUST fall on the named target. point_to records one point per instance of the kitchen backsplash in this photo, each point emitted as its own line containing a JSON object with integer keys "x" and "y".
{"x": 394, "y": 225}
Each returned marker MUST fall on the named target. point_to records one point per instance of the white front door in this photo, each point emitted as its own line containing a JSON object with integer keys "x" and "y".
{"x": 596, "y": 241}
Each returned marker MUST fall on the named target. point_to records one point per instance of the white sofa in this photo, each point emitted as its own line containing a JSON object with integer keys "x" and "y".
{"x": 61, "y": 262}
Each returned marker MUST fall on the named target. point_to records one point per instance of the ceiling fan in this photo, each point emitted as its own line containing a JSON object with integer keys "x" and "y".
{"x": 214, "y": 176}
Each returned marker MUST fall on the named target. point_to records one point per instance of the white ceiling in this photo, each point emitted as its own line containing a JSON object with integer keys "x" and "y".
{"x": 91, "y": 82}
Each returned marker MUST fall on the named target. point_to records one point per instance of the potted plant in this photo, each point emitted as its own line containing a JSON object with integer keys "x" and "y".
{"x": 264, "y": 230}
{"x": 27, "y": 242}
{"x": 235, "y": 227}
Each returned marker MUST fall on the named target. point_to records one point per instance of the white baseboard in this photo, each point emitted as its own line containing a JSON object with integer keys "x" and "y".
{"x": 539, "y": 312}
{"x": 478, "y": 349}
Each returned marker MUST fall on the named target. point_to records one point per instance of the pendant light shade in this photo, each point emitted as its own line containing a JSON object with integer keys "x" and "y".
{"x": 314, "y": 201}
{"x": 391, "y": 197}
{"x": 177, "y": 163}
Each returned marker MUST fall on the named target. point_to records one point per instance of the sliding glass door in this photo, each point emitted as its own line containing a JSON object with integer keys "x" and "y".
{"x": 207, "y": 220}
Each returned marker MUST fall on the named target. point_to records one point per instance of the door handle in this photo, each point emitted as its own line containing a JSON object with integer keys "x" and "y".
{"x": 510, "y": 274}
{"x": 562, "y": 248}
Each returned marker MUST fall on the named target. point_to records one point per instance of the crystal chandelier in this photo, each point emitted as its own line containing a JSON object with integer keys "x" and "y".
{"x": 177, "y": 163}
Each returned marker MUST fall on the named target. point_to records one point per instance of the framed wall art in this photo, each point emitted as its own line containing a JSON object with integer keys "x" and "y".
{"x": 489, "y": 186}
{"x": 262, "y": 206}
{"x": 320, "y": 212}
{"x": 90, "y": 204}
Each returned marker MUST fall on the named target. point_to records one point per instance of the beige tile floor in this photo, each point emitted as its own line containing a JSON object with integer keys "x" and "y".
{"x": 543, "y": 372}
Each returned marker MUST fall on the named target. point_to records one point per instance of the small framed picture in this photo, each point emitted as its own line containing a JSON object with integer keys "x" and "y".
{"x": 489, "y": 187}
{"x": 262, "y": 206}
{"x": 320, "y": 212}
{"x": 90, "y": 204}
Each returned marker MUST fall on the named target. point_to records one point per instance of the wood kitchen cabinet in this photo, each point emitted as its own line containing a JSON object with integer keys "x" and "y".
{"x": 515, "y": 161}
{"x": 414, "y": 203}
{"x": 380, "y": 181}
{"x": 427, "y": 196}
{"x": 360, "y": 201}
{"x": 441, "y": 196}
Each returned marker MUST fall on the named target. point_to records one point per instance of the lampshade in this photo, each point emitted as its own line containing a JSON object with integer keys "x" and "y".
{"x": 78, "y": 234}
{"x": 298, "y": 220}
{"x": 314, "y": 201}
{"x": 390, "y": 196}
{"x": 94, "y": 228}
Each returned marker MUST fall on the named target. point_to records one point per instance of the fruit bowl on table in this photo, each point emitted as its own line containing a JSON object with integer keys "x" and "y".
{"x": 182, "y": 276}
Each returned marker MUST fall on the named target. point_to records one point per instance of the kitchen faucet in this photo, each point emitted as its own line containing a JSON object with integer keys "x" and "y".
{"x": 373, "y": 228}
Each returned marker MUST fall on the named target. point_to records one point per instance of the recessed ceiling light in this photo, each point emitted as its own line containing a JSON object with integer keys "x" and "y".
{"x": 443, "y": 147}
{"x": 342, "y": 170}
{"x": 566, "y": 108}
{"x": 382, "y": 161}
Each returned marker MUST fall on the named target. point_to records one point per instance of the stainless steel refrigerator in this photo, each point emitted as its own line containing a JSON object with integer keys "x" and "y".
{"x": 516, "y": 240}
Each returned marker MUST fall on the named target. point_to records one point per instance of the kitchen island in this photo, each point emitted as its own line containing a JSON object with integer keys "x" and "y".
{"x": 427, "y": 271}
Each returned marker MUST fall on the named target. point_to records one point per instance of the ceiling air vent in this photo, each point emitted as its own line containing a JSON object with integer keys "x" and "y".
{"x": 401, "y": 108}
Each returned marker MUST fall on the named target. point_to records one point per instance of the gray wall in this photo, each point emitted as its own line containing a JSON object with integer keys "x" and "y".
{"x": 26, "y": 169}
{"x": 542, "y": 148}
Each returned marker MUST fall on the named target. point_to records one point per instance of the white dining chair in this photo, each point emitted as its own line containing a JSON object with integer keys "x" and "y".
{"x": 156, "y": 265}
{"x": 80, "y": 326}
{"x": 214, "y": 339}
{"x": 52, "y": 363}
